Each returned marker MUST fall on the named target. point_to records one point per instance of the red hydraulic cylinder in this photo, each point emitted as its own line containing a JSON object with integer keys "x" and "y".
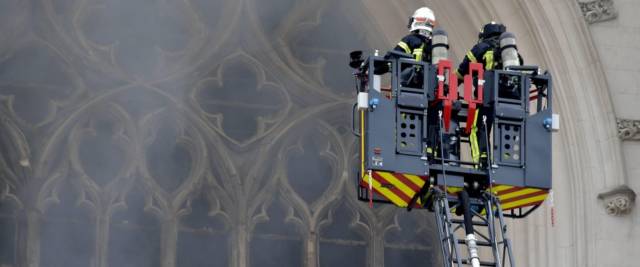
{"x": 469, "y": 97}
{"x": 448, "y": 99}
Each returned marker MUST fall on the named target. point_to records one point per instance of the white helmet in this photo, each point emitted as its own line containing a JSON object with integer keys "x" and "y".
{"x": 423, "y": 21}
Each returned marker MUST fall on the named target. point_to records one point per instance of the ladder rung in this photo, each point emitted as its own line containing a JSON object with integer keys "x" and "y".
{"x": 478, "y": 242}
{"x": 459, "y": 221}
{"x": 482, "y": 263}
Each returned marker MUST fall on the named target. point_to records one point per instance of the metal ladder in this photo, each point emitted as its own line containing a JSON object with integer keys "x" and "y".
{"x": 494, "y": 236}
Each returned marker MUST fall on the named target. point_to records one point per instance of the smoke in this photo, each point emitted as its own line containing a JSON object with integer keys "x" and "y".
{"x": 181, "y": 133}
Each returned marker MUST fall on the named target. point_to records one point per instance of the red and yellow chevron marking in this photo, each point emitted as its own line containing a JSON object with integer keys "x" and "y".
{"x": 512, "y": 197}
{"x": 398, "y": 188}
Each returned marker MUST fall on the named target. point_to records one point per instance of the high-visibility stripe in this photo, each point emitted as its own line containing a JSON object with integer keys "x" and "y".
{"x": 513, "y": 197}
{"x": 525, "y": 205}
{"x": 500, "y": 188}
{"x": 417, "y": 205}
{"x": 362, "y": 143}
{"x": 391, "y": 187}
{"x": 403, "y": 179}
{"x": 415, "y": 179}
{"x": 453, "y": 190}
{"x": 395, "y": 182}
{"x": 417, "y": 53}
{"x": 471, "y": 57}
{"x": 522, "y": 192}
{"x": 525, "y": 196}
{"x": 382, "y": 191}
{"x": 524, "y": 202}
{"x": 507, "y": 191}
{"x": 405, "y": 46}
{"x": 386, "y": 192}
{"x": 488, "y": 59}
{"x": 414, "y": 182}
{"x": 399, "y": 189}
{"x": 473, "y": 139}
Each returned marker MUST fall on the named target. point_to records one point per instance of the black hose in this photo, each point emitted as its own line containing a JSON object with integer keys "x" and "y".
{"x": 466, "y": 210}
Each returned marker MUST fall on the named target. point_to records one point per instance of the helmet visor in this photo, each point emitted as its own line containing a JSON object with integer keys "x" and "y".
{"x": 422, "y": 23}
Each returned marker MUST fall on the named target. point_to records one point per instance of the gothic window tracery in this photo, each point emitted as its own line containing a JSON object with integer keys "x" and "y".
{"x": 135, "y": 233}
{"x": 344, "y": 236}
{"x": 410, "y": 239}
{"x": 8, "y": 231}
{"x": 205, "y": 227}
{"x": 137, "y": 138}
{"x": 68, "y": 228}
{"x": 277, "y": 238}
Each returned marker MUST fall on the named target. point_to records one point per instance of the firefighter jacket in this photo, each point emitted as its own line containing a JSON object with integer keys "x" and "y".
{"x": 486, "y": 52}
{"x": 417, "y": 45}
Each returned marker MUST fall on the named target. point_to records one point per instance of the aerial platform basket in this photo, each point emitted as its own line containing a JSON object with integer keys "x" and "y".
{"x": 413, "y": 126}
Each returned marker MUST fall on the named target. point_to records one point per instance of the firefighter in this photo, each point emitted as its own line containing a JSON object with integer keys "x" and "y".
{"x": 418, "y": 44}
{"x": 487, "y": 52}
{"x": 418, "y": 41}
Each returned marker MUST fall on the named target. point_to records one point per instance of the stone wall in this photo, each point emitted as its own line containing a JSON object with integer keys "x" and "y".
{"x": 617, "y": 39}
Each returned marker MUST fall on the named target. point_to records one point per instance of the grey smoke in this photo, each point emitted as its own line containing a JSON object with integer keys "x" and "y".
{"x": 98, "y": 97}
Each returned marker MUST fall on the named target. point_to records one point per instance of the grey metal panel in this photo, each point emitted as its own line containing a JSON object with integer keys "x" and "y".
{"x": 508, "y": 111}
{"x": 509, "y": 175}
{"x": 452, "y": 180}
{"x": 509, "y": 143}
{"x": 410, "y": 165}
{"x": 380, "y": 133}
{"x": 510, "y": 171}
{"x": 412, "y": 100}
{"x": 382, "y": 136}
{"x": 409, "y": 132}
{"x": 538, "y": 153}
{"x": 489, "y": 85}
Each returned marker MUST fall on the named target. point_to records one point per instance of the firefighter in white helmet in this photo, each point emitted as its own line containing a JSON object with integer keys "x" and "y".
{"x": 418, "y": 41}
{"x": 418, "y": 44}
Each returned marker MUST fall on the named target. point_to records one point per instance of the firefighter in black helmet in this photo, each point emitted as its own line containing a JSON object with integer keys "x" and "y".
{"x": 487, "y": 52}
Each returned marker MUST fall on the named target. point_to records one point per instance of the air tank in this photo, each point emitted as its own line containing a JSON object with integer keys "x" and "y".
{"x": 509, "y": 50}
{"x": 440, "y": 46}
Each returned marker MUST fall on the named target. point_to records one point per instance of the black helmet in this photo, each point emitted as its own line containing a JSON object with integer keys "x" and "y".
{"x": 491, "y": 29}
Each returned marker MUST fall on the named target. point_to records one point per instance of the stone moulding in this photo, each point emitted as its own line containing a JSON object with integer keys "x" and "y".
{"x": 629, "y": 129}
{"x": 618, "y": 201}
{"x": 597, "y": 10}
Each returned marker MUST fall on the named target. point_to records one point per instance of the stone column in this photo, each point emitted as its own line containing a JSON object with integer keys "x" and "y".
{"x": 32, "y": 243}
{"x": 102, "y": 241}
{"x": 168, "y": 245}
